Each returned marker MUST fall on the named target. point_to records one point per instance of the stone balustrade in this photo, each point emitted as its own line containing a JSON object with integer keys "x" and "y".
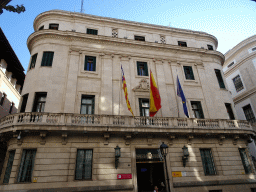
{"x": 60, "y": 119}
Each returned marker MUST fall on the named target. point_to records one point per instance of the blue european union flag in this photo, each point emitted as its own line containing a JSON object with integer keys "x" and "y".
{"x": 182, "y": 96}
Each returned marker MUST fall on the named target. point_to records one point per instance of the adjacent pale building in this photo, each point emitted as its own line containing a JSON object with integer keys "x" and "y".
{"x": 75, "y": 133}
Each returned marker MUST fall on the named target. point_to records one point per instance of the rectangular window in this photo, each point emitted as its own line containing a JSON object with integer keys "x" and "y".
{"x": 144, "y": 107}
{"x": 24, "y": 103}
{"x": 83, "y": 164}
{"x": 33, "y": 61}
{"x": 90, "y": 63}
{"x": 92, "y": 31}
{"x": 142, "y": 68}
{"x": 54, "y": 26}
{"x": 41, "y": 28}
{"x": 220, "y": 79}
{"x": 47, "y": 58}
{"x": 238, "y": 83}
{"x": 26, "y": 165}
{"x": 139, "y": 38}
{"x": 11, "y": 107}
{"x": 230, "y": 65}
{"x": 210, "y": 47}
{"x": 189, "y": 72}
{"x": 2, "y": 99}
{"x": 248, "y": 112}
{"x": 87, "y": 104}
{"x": 230, "y": 111}
{"x": 182, "y": 43}
{"x": 207, "y": 160}
{"x": 197, "y": 109}
{"x": 39, "y": 102}
{"x": 9, "y": 167}
{"x": 245, "y": 161}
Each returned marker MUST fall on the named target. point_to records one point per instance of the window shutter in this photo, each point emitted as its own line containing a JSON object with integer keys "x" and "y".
{"x": 200, "y": 110}
{"x": 9, "y": 167}
{"x": 138, "y": 68}
{"x": 94, "y": 64}
{"x": 50, "y": 59}
{"x": 191, "y": 72}
{"x": 93, "y": 104}
{"x": 25, "y": 168}
{"x": 79, "y": 164}
{"x": 140, "y": 104}
{"x": 245, "y": 161}
{"x": 88, "y": 164}
{"x": 85, "y": 63}
{"x": 21, "y": 165}
{"x": 146, "y": 69}
{"x": 43, "y": 59}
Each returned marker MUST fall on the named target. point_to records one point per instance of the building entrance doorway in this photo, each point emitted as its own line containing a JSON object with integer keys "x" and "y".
{"x": 150, "y": 170}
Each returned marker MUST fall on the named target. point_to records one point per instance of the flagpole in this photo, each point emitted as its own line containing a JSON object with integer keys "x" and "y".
{"x": 177, "y": 99}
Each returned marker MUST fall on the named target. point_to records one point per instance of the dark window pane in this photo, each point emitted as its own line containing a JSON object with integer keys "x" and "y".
{"x": 83, "y": 164}
{"x": 182, "y": 44}
{"x": 2, "y": 99}
{"x": 47, "y": 58}
{"x": 41, "y": 28}
{"x": 139, "y": 38}
{"x": 245, "y": 161}
{"x": 238, "y": 83}
{"x": 189, "y": 72}
{"x": 39, "y": 102}
{"x": 207, "y": 160}
{"x": 9, "y": 167}
{"x": 197, "y": 109}
{"x": 231, "y": 64}
{"x": 26, "y": 165}
{"x": 142, "y": 69}
{"x": 92, "y": 31}
{"x": 230, "y": 111}
{"x": 254, "y": 49}
{"x": 90, "y": 63}
{"x": 11, "y": 107}
{"x": 220, "y": 79}
{"x": 24, "y": 103}
{"x": 33, "y": 61}
{"x": 87, "y": 104}
{"x": 210, "y": 47}
{"x": 248, "y": 112}
{"x": 144, "y": 107}
{"x": 54, "y": 26}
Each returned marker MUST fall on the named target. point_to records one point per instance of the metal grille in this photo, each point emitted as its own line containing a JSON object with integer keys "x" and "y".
{"x": 26, "y": 165}
{"x": 207, "y": 160}
{"x": 92, "y": 31}
{"x": 238, "y": 83}
{"x": 162, "y": 39}
{"x": 9, "y": 167}
{"x": 84, "y": 164}
{"x": 114, "y": 33}
{"x": 245, "y": 161}
{"x": 249, "y": 115}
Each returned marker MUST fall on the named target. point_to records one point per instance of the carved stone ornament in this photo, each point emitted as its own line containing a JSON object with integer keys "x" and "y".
{"x": 143, "y": 86}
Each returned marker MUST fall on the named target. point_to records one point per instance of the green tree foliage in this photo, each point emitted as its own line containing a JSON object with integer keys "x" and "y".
{"x": 17, "y": 9}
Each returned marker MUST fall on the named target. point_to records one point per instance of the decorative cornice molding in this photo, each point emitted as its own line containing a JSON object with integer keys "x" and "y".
{"x": 244, "y": 95}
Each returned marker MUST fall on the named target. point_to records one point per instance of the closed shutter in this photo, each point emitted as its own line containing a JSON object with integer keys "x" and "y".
{"x": 245, "y": 161}
{"x": 79, "y": 164}
{"x": 94, "y": 64}
{"x": 88, "y": 164}
{"x": 86, "y": 67}
{"x": 9, "y": 167}
{"x": 138, "y": 68}
{"x": 93, "y": 104}
{"x": 146, "y": 69}
{"x": 140, "y": 103}
{"x": 191, "y": 72}
{"x": 21, "y": 165}
{"x": 207, "y": 160}
{"x": 47, "y": 59}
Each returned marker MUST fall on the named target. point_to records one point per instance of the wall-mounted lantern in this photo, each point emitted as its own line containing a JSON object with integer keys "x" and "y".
{"x": 117, "y": 155}
{"x": 185, "y": 155}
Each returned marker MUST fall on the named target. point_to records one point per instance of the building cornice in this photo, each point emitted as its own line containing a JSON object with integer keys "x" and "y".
{"x": 144, "y": 26}
{"x": 75, "y": 36}
{"x": 244, "y": 95}
{"x": 239, "y": 63}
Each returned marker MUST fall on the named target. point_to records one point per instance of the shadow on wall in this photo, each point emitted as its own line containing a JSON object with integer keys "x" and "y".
{"x": 6, "y": 107}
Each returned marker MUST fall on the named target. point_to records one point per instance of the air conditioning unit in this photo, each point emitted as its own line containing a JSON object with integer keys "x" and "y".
{"x": 73, "y": 30}
{"x": 125, "y": 37}
{"x": 156, "y": 41}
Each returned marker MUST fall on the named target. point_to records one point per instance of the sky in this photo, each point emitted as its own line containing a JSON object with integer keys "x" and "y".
{"x": 230, "y": 21}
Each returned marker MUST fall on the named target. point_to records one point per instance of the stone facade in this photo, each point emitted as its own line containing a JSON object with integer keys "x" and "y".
{"x": 58, "y": 131}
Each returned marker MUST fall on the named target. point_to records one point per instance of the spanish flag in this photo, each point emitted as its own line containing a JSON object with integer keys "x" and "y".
{"x": 125, "y": 92}
{"x": 155, "y": 99}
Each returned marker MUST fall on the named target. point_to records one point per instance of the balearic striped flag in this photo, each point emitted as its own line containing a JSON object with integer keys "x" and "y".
{"x": 125, "y": 91}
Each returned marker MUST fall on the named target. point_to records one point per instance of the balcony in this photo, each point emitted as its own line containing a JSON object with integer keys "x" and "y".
{"x": 116, "y": 123}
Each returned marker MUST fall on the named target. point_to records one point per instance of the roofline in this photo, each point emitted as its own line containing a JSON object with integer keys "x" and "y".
{"x": 134, "y": 23}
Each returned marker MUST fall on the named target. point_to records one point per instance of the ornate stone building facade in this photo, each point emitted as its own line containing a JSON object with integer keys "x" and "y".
{"x": 74, "y": 114}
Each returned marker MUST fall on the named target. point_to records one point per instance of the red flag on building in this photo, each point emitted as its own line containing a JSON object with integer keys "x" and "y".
{"x": 155, "y": 99}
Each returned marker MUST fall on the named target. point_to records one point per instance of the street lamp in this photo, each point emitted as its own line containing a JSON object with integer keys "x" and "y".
{"x": 164, "y": 152}
{"x": 117, "y": 155}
